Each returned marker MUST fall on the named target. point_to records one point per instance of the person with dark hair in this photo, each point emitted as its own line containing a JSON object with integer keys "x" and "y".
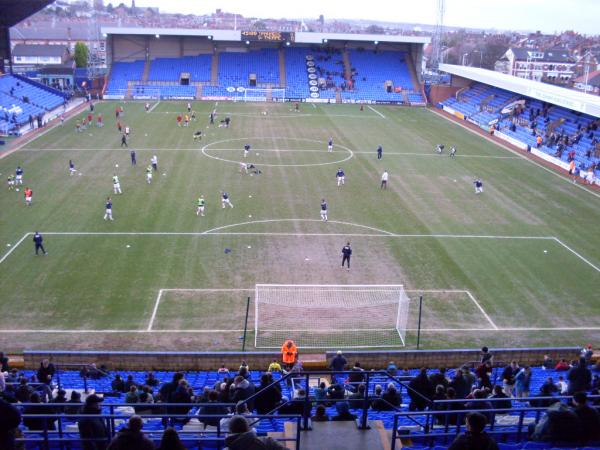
{"x": 10, "y": 418}
{"x": 209, "y": 409}
{"x": 93, "y": 430}
{"x": 343, "y": 412}
{"x": 166, "y": 390}
{"x": 356, "y": 400}
{"x": 242, "y": 390}
{"x": 589, "y": 417}
{"x": 480, "y": 395}
{"x": 502, "y": 401}
{"x": 242, "y": 438}
{"x": 320, "y": 414}
{"x": 579, "y": 377}
{"x": 475, "y": 437}
{"x": 420, "y": 391}
{"x": 268, "y": 397}
{"x": 75, "y": 404}
{"x": 486, "y": 356}
{"x": 392, "y": 397}
{"x": 439, "y": 378}
{"x": 131, "y": 437}
{"x": 170, "y": 441}
{"x": 559, "y": 424}
{"x": 4, "y": 367}
{"x": 118, "y": 385}
{"x": 37, "y": 423}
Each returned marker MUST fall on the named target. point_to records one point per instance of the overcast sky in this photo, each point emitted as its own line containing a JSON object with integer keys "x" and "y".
{"x": 545, "y": 15}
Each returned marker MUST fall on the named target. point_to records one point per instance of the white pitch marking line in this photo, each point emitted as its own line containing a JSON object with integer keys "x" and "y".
{"x": 596, "y": 268}
{"x": 482, "y": 310}
{"x": 153, "y": 106}
{"x": 314, "y": 106}
{"x": 375, "y": 111}
{"x": 156, "y": 303}
{"x": 487, "y": 138}
{"x": 437, "y": 156}
{"x": 13, "y": 248}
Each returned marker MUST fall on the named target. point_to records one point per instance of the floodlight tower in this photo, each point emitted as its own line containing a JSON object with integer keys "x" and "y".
{"x": 438, "y": 35}
{"x": 93, "y": 41}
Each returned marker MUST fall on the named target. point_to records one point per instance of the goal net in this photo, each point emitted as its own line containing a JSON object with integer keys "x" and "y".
{"x": 330, "y": 316}
{"x": 264, "y": 95}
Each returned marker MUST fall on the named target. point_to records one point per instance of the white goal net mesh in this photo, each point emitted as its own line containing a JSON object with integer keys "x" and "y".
{"x": 264, "y": 95}
{"x": 330, "y": 316}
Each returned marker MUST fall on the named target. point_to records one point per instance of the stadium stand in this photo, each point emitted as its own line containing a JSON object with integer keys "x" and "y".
{"x": 403, "y": 400}
{"x": 123, "y": 72}
{"x": 21, "y": 98}
{"x": 170, "y": 69}
{"x": 236, "y": 67}
{"x": 295, "y": 72}
{"x": 329, "y": 67}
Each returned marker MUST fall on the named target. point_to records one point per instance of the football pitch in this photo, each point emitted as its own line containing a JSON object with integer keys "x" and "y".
{"x": 518, "y": 265}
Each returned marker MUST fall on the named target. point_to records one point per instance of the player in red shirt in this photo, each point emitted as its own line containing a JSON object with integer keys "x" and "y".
{"x": 179, "y": 118}
{"x": 117, "y": 113}
{"x": 28, "y": 196}
{"x": 100, "y": 124}
{"x": 90, "y": 118}
{"x": 119, "y": 127}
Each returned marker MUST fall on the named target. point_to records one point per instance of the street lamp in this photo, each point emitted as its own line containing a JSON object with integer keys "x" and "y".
{"x": 464, "y": 58}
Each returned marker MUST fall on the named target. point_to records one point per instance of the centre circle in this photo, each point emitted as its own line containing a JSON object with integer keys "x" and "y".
{"x": 207, "y": 148}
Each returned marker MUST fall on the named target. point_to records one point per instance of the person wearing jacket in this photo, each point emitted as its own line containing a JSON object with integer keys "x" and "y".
{"x": 242, "y": 438}
{"x": 131, "y": 437}
{"x": 10, "y": 418}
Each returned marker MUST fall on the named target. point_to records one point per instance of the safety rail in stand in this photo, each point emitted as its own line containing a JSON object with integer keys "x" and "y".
{"x": 59, "y": 435}
{"x": 453, "y": 429}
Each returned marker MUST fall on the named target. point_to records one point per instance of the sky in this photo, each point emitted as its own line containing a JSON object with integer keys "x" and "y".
{"x": 547, "y": 16}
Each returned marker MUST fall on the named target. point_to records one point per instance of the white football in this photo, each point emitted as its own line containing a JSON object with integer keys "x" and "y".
{"x": 116, "y": 165}
{"x": 17, "y": 189}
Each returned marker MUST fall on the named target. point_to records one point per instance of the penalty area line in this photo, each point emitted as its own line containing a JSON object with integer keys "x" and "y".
{"x": 494, "y": 326}
{"x": 375, "y": 111}
{"x": 154, "y": 106}
{"x": 7, "y": 254}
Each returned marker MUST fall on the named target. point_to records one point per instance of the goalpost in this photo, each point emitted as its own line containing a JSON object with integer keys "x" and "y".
{"x": 264, "y": 95}
{"x": 330, "y": 316}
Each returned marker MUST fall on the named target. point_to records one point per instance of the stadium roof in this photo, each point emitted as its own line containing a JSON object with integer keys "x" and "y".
{"x": 14, "y": 11}
{"x": 39, "y": 50}
{"x": 236, "y": 35}
{"x": 567, "y": 98}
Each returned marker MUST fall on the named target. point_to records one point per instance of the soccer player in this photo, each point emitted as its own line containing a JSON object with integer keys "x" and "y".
{"x": 179, "y": 119}
{"x": 28, "y": 196}
{"x": 78, "y": 126}
{"x": 11, "y": 182}
{"x": 72, "y": 169}
{"x": 147, "y": 106}
{"x": 83, "y": 124}
{"x": 99, "y": 122}
{"x": 346, "y": 253}
{"x": 90, "y": 118}
{"x": 133, "y": 158}
{"x": 225, "y": 200}
{"x": 243, "y": 167}
{"x": 330, "y": 145}
{"x": 212, "y": 118}
{"x": 127, "y": 130}
{"x": 384, "y": 179}
{"x": 297, "y": 107}
{"x": 341, "y": 178}
{"x": 323, "y": 210}
{"x": 440, "y": 148}
{"x": 200, "y": 208}
{"x": 198, "y": 135}
{"x": 62, "y": 120}
{"x": 189, "y": 107}
{"x": 149, "y": 174}
{"x": 452, "y": 152}
{"x": 194, "y": 116}
{"x": 108, "y": 213}
{"x": 119, "y": 126}
{"x": 246, "y": 150}
{"x": 379, "y": 152}
{"x": 38, "y": 239}
{"x": 478, "y": 186}
{"x": 19, "y": 175}
{"x": 124, "y": 141}
{"x": 116, "y": 185}
{"x": 187, "y": 120}
{"x": 154, "y": 162}
{"x": 227, "y": 121}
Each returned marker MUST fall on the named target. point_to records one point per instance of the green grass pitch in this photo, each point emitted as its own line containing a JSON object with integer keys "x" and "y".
{"x": 523, "y": 257}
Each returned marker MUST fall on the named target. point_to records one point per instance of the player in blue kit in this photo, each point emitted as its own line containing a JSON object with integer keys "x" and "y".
{"x": 330, "y": 145}
{"x": 225, "y": 200}
{"x": 323, "y": 210}
{"x": 246, "y": 150}
{"x": 108, "y": 206}
{"x": 346, "y": 253}
{"x": 341, "y": 177}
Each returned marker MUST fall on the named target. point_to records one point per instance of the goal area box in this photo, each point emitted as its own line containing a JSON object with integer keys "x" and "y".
{"x": 330, "y": 316}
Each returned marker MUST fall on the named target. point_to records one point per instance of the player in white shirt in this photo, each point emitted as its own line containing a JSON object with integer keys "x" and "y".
{"x": 127, "y": 131}
{"x": 330, "y": 145}
{"x": 440, "y": 148}
{"x": 200, "y": 208}
{"x": 72, "y": 169}
{"x": 246, "y": 150}
{"x": 243, "y": 167}
{"x": 154, "y": 162}
{"x": 147, "y": 107}
{"x": 384, "y": 179}
{"x": 225, "y": 200}
{"x": 341, "y": 177}
{"x": 452, "y": 152}
{"x": 324, "y": 217}
{"x": 116, "y": 185}
{"x": 149, "y": 174}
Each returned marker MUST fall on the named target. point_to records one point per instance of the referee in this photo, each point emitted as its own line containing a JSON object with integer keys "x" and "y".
{"x": 38, "y": 239}
{"x": 346, "y": 253}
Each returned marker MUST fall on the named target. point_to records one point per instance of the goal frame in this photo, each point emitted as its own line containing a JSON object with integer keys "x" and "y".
{"x": 263, "y": 98}
{"x": 401, "y": 330}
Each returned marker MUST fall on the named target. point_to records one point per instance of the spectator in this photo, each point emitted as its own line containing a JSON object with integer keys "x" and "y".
{"x": 241, "y": 410}
{"x": 75, "y": 404}
{"x": 268, "y": 398}
{"x": 131, "y": 437}
{"x": 548, "y": 363}
{"x": 586, "y": 353}
{"x": 336, "y": 391}
{"x": 468, "y": 376}
{"x": 559, "y": 424}
{"x": 439, "y": 378}
{"x": 523, "y": 382}
{"x": 241, "y": 438}
{"x": 483, "y": 373}
{"x": 168, "y": 389}
{"x": 552, "y": 387}
{"x": 338, "y": 363}
{"x": 486, "y": 356}
{"x": 562, "y": 386}
{"x": 61, "y": 397}
{"x": 480, "y": 395}
{"x": 392, "y": 397}
{"x": 562, "y": 365}
{"x": 343, "y": 412}
{"x": 320, "y": 393}
{"x": 183, "y": 394}
{"x": 298, "y": 405}
{"x": 118, "y": 385}
{"x": 4, "y": 367}
{"x": 2, "y": 382}
{"x": 545, "y": 391}
{"x": 10, "y": 418}
{"x": 377, "y": 403}
{"x": 129, "y": 383}
{"x": 223, "y": 370}
{"x": 243, "y": 367}
{"x": 151, "y": 380}
{"x": 244, "y": 372}
{"x": 355, "y": 377}
{"x": 93, "y": 430}
{"x": 24, "y": 391}
{"x": 508, "y": 378}
{"x": 211, "y": 408}
{"x": 170, "y": 441}
{"x": 37, "y": 423}
{"x": 420, "y": 391}
{"x": 475, "y": 437}
{"x": 320, "y": 414}
{"x": 204, "y": 397}
{"x": 453, "y": 417}
{"x": 45, "y": 372}
{"x": 242, "y": 390}
{"x": 132, "y": 395}
{"x": 392, "y": 369}
{"x": 589, "y": 418}
{"x": 356, "y": 400}
{"x": 502, "y": 401}
{"x": 460, "y": 385}
{"x": 274, "y": 367}
{"x": 579, "y": 377}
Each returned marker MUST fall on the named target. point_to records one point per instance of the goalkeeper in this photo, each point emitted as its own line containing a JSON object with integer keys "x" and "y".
{"x": 289, "y": 353}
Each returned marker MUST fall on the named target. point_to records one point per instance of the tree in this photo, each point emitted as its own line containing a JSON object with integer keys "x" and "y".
{"x": 375, "y": 29}
{"x": 82, "y": 53}
{"x": 109, "y": 8}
